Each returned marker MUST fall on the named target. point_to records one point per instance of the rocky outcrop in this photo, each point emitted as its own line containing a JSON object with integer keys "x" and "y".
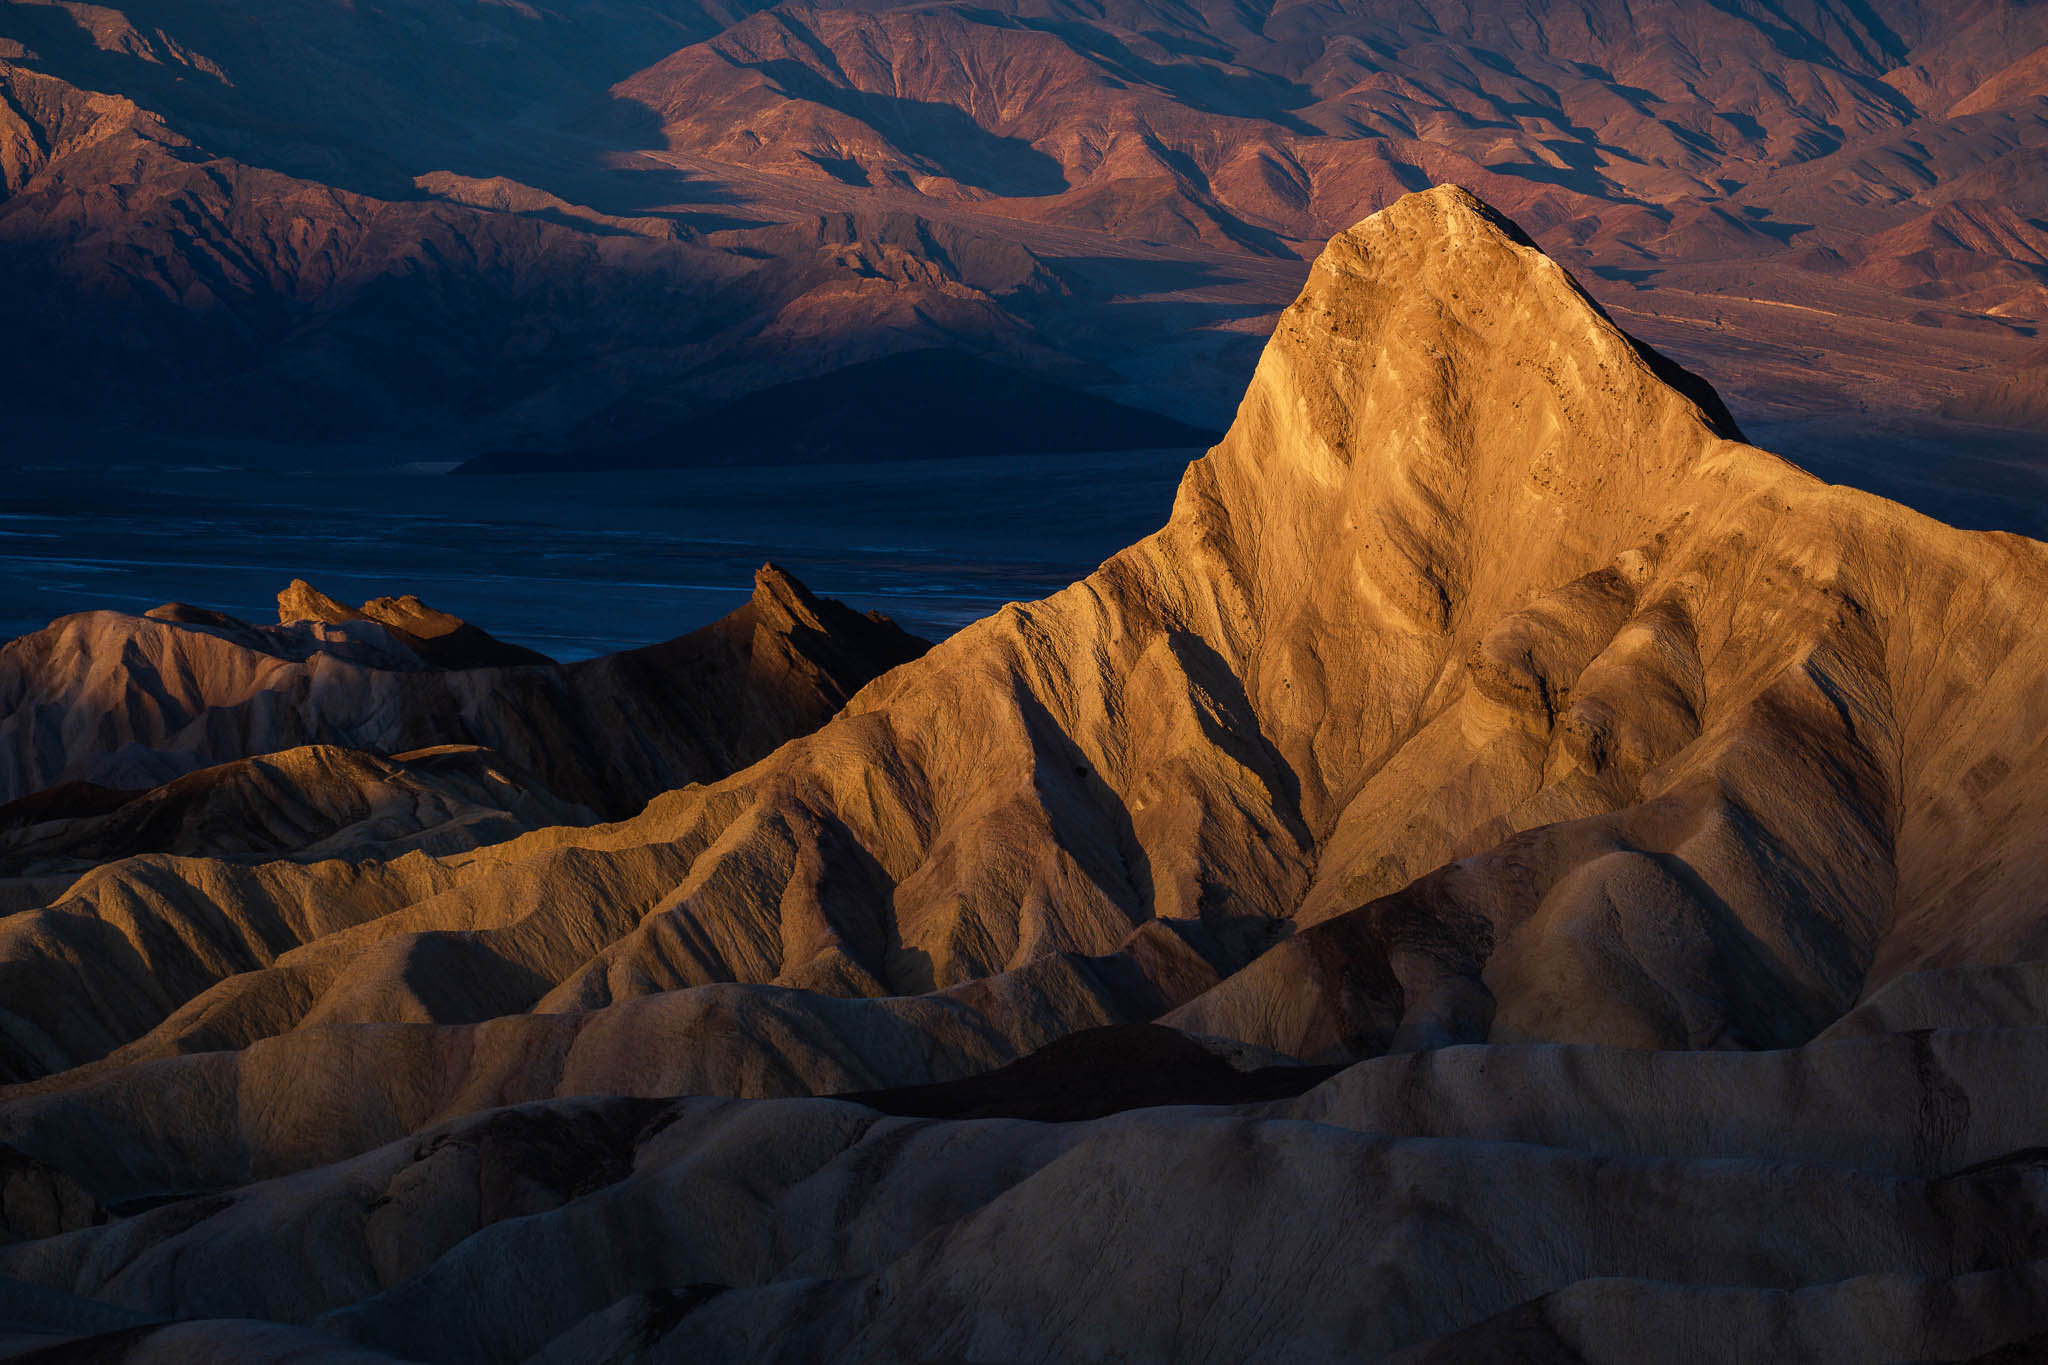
{"x": 440, "y": 640}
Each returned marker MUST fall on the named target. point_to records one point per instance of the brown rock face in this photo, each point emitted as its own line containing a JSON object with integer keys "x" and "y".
{"x": 1483, "y": 688}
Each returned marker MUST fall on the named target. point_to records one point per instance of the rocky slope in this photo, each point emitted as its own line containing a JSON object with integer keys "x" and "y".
{"x": 1649, "y": 830}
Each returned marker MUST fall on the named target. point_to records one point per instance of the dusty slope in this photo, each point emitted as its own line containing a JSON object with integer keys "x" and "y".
{"x": 1483, "y": 687}
{"x": 2017, "y": 398}
{"x": 99, "y": 700}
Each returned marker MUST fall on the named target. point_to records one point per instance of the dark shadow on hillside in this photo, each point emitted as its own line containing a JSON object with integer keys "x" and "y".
{"x": 913, "y": 405}
{"x": 1760, "y": 220}
{"x": 1234, "y": 92}
{"x": 940, "y": 134}
{"x": 648, "y": 188}
{"x": 1115, "y": 275}
{"x": 1582, "y": 179}
{"x": 1096, "y": 1072}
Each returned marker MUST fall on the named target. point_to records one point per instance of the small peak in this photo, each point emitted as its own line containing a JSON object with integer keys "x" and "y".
{"x": 413, "y": 616}
{"x": 438, "y": 638}
{"x": 301, "y": 601}
{"x": 1438, "y": 306}
{"x": 780, "y": 593}
{"x": 1451, "y": 223}
{"x": 1447, "y": 202}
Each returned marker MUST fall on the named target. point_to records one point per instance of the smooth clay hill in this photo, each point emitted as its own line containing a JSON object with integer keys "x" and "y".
{"x": 1651, "y": 832}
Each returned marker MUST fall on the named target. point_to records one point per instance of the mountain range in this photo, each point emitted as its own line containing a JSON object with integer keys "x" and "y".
{"x": 579, "y": 225}
{"x": 1508, "y": 870}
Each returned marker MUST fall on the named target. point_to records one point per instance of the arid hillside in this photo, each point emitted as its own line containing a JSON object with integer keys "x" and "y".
{"x": 1509, "y": 864}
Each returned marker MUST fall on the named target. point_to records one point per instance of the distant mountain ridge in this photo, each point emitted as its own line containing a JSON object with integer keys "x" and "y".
{"x": 559, "y": 227}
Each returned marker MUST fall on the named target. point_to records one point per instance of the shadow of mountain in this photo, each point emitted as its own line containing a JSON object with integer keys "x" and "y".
{"x": 942, "y": 136}
{"x": 646, "y": 188}
{"x": 1584, "y": 180}
{"x": 1233, "y": 92}
{"x": 922, "y": 404}
{"x": 1097, "y": 1072}
{"x": 365, "y": 98}
{"x": 1117, "y": 275}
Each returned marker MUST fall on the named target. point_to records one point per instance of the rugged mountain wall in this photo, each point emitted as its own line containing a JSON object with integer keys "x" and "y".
{"x": 235, "y": 296}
